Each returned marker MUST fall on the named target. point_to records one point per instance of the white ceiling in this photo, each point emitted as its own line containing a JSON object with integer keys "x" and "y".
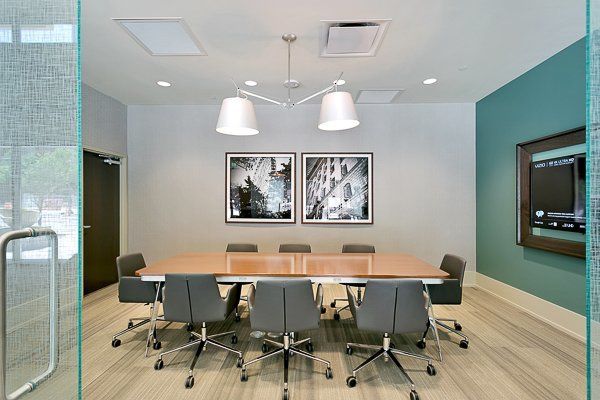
{"x": 497, "y": 40}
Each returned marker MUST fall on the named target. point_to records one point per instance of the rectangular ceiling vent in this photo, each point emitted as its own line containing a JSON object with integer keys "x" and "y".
{"x": 352, "y": 38}
{"x": 378, "y": 96}
{"x": 162, "y": 36}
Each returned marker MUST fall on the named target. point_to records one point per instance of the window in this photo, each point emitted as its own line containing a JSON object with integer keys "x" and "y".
{"x": 332, "y": 183}
{"x": 347, "y": 191}
{"x": 322, "y": 193}
{"x": 64, "y": 33}
{"x": 344, "y": 169}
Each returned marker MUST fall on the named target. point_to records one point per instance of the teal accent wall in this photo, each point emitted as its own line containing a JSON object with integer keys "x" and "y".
{"x": 547, "y": 99}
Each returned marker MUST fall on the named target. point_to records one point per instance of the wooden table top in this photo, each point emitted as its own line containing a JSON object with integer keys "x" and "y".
{"x": 332, "y": 265}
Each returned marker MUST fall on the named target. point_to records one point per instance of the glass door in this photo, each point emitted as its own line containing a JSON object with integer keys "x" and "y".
{"x": 40, "y": 200}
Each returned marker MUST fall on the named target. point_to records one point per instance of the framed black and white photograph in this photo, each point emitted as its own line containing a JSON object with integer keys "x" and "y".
{"x": 337, "y": 188}
{"x": 260, "y": 187}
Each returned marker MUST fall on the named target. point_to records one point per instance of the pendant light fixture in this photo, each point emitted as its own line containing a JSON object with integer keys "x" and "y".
{"x": 338, "y": 113}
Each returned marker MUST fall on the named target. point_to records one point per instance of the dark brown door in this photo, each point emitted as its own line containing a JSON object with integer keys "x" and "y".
{"x": 100, "y": 221}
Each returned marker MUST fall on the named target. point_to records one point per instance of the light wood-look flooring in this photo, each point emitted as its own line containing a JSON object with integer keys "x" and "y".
{"x": 512, "y": 355}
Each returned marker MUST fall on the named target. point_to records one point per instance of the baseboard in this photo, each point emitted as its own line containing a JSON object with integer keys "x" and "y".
{"x": 566, "y": 320}
{"x": 470, "y": 279}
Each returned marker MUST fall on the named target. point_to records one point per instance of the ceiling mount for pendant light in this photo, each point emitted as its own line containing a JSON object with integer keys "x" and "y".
{"x": 237, "y": 115}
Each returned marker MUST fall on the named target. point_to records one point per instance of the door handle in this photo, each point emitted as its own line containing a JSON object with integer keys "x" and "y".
{"x": 53, "y": 317}
{"x": 87, "y": 226}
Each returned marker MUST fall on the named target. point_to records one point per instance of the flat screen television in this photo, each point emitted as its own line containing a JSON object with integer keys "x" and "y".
{"x": 558, "y": 193}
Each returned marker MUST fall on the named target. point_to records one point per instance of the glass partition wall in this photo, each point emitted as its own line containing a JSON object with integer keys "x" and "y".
{"x": 40, "y": 200}
{"x": 593, "y": 179}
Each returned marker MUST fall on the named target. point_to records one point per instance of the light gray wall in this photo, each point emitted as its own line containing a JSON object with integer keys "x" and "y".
{"x": 103, "y": 122}
{"x": 424, "y": 178}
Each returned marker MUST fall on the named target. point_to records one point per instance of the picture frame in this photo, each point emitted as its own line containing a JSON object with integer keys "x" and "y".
{"x": 337, "y": 188}
{"x": 260, "y": 187}
{"x": 525, "y": 151}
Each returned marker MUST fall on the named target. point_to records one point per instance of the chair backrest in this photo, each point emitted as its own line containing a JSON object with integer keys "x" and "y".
{"x": 455, "y": 266}
{"x": 358, "y": 248}
{"x": 284, "y": 306}
{"x": 393, "y": 306}
{"x": 294, "y": 248}
{"x": 242, "y": 248}
{"x": 193, "y": 298}
{"x": 129, "y": 263}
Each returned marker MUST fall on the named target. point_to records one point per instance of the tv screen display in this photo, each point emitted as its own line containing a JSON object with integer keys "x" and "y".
{"x": 558, "y": 193}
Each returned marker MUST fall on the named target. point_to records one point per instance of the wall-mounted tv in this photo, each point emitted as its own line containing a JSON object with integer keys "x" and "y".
{"x": 558, "y": 193}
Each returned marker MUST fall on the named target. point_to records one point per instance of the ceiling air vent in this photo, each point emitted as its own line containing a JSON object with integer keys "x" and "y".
{"x": 352, "y": 38}
{"x": 378, "y": 96}
{"x": 162, "y": 36}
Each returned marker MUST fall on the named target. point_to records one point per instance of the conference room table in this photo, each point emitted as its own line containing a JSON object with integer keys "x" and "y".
{"x": 341, "y": 268}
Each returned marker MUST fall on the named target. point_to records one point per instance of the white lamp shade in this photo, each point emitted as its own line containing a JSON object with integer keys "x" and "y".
{"x": 337, "y": 112}
{"x": 237, "y": 117}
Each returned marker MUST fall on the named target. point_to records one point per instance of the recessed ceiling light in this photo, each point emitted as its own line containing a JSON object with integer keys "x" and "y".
{"x": 339, "y": 82}
{"x": 429, "y": 81}
{"x": 250, "y": 83}
{"x": 163, "y": 83}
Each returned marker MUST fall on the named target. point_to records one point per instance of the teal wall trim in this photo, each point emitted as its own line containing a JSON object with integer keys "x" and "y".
{"x": 549, "y": 98}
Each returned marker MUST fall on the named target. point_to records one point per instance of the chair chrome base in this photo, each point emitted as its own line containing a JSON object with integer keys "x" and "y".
{"x": 336, "y": 312}
{"x": 116, "y": 342}
{"x": 464, "y": 343}
{"x": 202, "y": 341}
{"x": 287, "y": 348}
{"x": 389, "y": 353}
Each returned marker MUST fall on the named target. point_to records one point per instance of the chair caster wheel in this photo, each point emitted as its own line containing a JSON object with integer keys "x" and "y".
{"x": 336, "y": 316}
{"x": 189, "y": 327}
{"x": 414, "y": 395}
{"x": 351, "y": 381}
{"x": 240, "y": 362}
{"x": 457, "y": 326}
{"x": 116, "y": 343}
{"x": 191, "y": 338}
{"x": 332, "y": 304}
{"x": 189, "y": 382}
{"x": 349, "y": 350}
{"x": 431, "y": 370}
{"x": 264, "y": 348}
{"x": 130, "y": 325}
{"x": 309, "y": 347}
{"x": 234, "y": 339}
{"x": 156, "y": 345}
{"x": 421, "y": 344}
{"x": 328, "y": 373}
{"x": 244, "y": 376}
{"x": 464, "y": 344}
{"x": 238, "y": 318}
{"x": 159, "y": 364}
{"x": 286, "y": 394}
{"x": 323, "y": 310}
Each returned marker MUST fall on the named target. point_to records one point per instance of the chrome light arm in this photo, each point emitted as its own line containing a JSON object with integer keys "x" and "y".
{"x": 320, "y": 92}
{"x": 258, "y": 96}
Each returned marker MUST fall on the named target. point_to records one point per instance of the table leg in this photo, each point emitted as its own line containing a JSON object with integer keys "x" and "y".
{"x": 433, "y": 324}
{"x": 153, "y": 317}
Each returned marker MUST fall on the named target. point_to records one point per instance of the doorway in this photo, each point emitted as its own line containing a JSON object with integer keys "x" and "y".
{"x": 101, "y": 220}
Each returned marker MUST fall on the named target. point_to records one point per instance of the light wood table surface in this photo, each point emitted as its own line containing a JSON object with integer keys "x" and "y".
{"x": 319, "y": 267}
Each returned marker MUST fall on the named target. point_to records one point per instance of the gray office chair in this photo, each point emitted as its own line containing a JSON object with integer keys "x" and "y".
{"x": 448, "y": 293}
{"x": 285, "y": 306}
{"x": 391, "y": 306}
{"x": 195, "y": 299}
{"x": 133, "y": 290}
{"x": 240, "y": 248}
{"x": 294, "y": 248}
{"x": 351, "y": 248}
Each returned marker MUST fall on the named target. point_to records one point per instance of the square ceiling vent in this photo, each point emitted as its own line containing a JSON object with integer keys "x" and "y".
{"x": 378, "y": 96}
{"x": 352, "y": 38}
{"x": 162, "y": 36}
